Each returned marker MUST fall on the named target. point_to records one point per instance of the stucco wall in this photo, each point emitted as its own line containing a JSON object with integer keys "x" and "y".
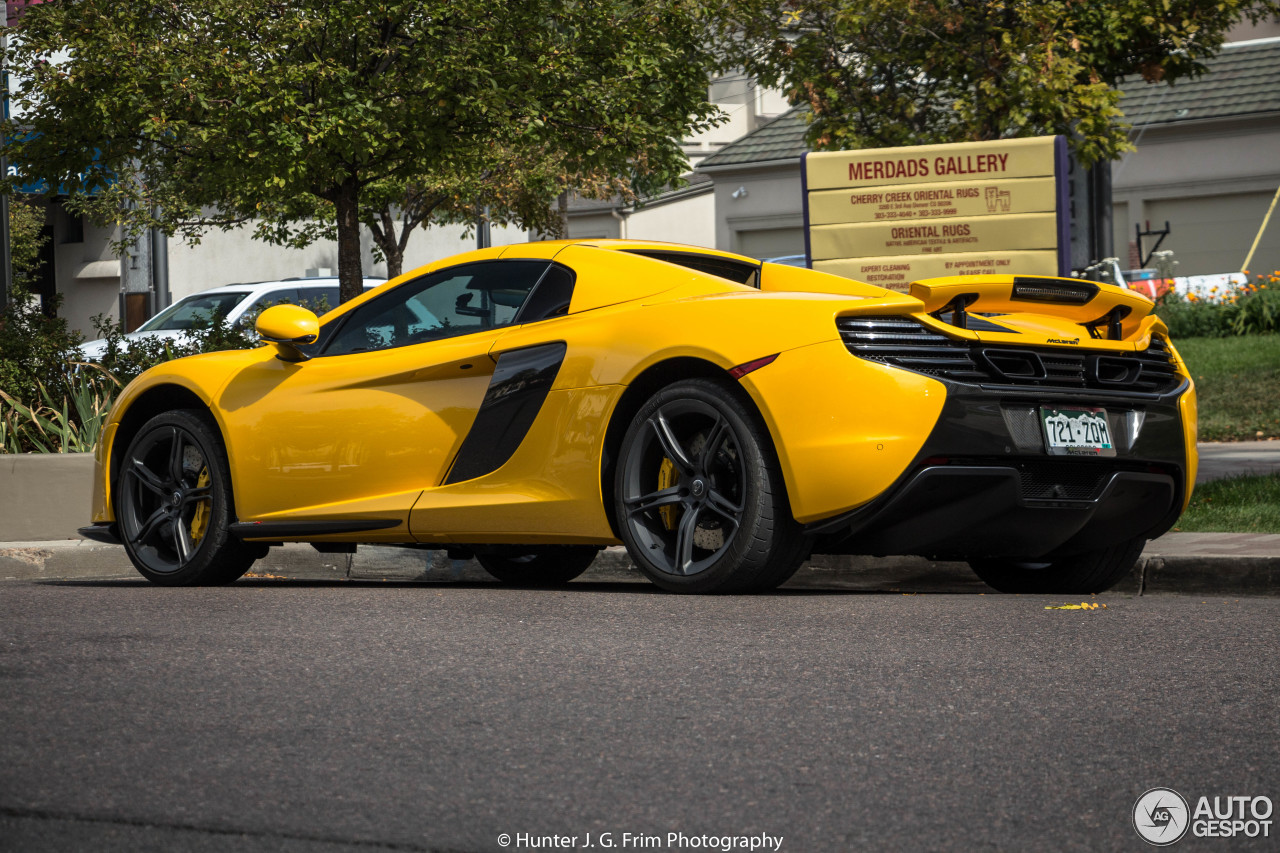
{"x": 229, "y": 257}
{"x": 768, "y": 200}
{"x": 82, "y": 298}
{"x": 690, "y": 220}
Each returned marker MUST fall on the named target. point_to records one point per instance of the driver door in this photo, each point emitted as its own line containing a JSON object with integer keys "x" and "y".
{"x": 358, "y": 431}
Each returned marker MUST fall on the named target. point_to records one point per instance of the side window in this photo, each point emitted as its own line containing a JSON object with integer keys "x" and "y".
{"x": 733, "y": 270}
{"x": 551, "y": 297}
{"x": 444, "y": 304}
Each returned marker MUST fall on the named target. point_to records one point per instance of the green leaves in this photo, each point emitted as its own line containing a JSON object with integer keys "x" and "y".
{"x": 211, "y": 113}
{"x": 71, "y": 424}
{"x": 881, "y": 73}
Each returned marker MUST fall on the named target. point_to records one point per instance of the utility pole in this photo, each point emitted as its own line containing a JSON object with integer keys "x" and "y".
{"x": 6, "y": 261}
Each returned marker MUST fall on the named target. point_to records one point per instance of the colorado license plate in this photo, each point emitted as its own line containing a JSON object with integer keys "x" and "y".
{"x": 1076, "y": 432}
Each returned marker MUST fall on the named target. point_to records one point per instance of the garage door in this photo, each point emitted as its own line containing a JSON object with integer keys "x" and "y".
{"x": 769, "y": 242}
{"x": 1212, "y": 234}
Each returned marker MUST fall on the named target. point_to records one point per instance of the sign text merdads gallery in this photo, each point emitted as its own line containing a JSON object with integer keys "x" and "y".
{"x": 891, "y": 216}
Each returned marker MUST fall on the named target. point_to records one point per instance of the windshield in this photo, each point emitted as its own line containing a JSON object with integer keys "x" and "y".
{"x": 192, "y": 312}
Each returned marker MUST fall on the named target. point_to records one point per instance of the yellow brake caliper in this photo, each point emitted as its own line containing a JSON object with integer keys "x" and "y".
{"x": 200, "y": 521}
{"x": 667, "y": 478}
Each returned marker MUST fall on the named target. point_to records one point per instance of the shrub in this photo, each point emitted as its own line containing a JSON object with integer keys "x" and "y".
{"x": 70, "y": 424}
{"x": 51, "y": 401}
{"x": 1257, "y": 311}
{"x": 125, "y": 359}
{"x": 1252, "y": 309}
{"x": 35, "y": 344}
{"x": 35, "y": 350}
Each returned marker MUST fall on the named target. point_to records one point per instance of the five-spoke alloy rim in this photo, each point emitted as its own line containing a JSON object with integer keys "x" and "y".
{"x": 683, "y": 486}
{"x": 165, "y": 498}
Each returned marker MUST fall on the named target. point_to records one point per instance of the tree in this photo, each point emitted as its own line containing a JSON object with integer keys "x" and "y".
{"x": 503, "y": 186}
{"x": 26, "y": 238}
{"x": 35, "y": 344}
{"x": 878, "y": 73}
{"x": 295, "y": 115}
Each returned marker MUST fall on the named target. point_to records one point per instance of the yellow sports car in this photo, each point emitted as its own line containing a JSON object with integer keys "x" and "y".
{"x": 720, "y": 417}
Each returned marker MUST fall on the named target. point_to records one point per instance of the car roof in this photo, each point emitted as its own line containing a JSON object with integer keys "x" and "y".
{"x": 255, "y": 286}
{"x": 639, "y": 246}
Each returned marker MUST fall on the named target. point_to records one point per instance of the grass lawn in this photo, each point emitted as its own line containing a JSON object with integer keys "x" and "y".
{"x": 1235, "y": 505}
{"x": 1237, "y": 385}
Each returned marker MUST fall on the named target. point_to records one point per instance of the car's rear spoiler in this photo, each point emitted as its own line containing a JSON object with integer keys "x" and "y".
{"x": 1109, "y": 312}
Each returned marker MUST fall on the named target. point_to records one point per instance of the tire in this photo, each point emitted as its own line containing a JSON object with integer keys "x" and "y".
{"x": 699, "y": 496}
{"x": 174, "y": 505}
{"x": 1080, "y": 574}
{"x": 550, "y": 565}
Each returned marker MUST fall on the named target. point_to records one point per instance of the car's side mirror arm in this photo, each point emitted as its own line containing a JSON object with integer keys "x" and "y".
{"x": 287, "y": 327}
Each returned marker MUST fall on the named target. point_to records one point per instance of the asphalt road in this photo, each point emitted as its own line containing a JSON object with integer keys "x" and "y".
{"x": 293, "y": 716}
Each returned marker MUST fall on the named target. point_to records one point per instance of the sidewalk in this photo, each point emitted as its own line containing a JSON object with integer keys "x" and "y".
{"x": 1220, "y": 459}
{"x": 1189, "y": 563}
{"x": 1231, "y": 564}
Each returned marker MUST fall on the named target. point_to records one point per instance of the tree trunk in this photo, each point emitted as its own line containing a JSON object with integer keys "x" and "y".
{"x": 389, "y": 243}
{"x": 395, "y": 260}
{"x": 350, "y": 273}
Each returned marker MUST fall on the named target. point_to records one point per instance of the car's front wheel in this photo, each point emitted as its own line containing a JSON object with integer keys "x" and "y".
{"x": 174, "y": 506}
{"x": 546, "y": 565}
{"x": 699, "y": 497}
{"x": 1079, "y": 574}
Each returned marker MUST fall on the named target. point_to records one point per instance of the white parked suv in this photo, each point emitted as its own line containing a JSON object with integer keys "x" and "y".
{"x": 234, "y": 302}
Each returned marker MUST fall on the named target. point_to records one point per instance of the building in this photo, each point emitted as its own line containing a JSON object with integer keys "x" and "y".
{"x": 685, "y": 214}
{"x": 1207, "y": 162}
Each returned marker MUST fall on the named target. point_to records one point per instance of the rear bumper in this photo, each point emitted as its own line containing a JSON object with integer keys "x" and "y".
{"x": 983, "y": 485}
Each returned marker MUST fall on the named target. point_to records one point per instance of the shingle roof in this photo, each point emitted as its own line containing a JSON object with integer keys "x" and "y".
{"x": 780, "y": 139}
{"x": 1244, "y": 79}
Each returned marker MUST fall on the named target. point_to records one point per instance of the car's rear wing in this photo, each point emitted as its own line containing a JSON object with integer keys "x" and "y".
{"x": 1105, "y": 311}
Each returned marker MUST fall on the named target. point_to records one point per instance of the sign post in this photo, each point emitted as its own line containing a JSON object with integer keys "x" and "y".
{"x": 891, "y": 216}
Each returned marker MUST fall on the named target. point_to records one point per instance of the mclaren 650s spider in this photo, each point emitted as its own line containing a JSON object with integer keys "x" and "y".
{"x": 722, "y": 418}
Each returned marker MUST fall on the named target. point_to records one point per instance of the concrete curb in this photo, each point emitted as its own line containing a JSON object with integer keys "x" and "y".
{"x": 1192, "y": 564}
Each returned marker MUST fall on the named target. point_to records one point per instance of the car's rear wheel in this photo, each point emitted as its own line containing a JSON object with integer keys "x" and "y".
{"x": 174, "y": 506}
{"x": 549, "y": 565}
{"x": 699, "y": 497}
{"x": 1079, "y": 574}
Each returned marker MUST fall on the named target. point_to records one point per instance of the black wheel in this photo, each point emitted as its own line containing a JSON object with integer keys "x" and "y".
{"x": 547, "y": 565}
{"x": 173, "y": 504}
{"x": 1080, "y": 574}
{"x": 699, "y": 497}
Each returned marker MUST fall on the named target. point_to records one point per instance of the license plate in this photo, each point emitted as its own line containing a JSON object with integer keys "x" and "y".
{"x": 1076, "y": 432}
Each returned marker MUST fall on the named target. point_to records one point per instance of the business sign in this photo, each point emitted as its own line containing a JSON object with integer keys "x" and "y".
{"x": 891, "y": 216}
